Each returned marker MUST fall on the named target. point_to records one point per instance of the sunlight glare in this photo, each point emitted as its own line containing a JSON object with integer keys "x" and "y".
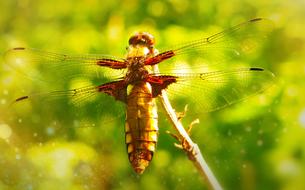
{"x": 302, "y": 118}
{"x": 3, "y": 101}
{"x": 5, "y": 131}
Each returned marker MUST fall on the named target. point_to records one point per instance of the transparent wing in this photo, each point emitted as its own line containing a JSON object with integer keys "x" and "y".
{"x": 60, "y": 86}
{"x": 42, "y": 66}
{"x": 242, "y": 39}
{"x": 75, "y": 97}
{"x": 79, "y": 107}
{"x": 206, "y": 92}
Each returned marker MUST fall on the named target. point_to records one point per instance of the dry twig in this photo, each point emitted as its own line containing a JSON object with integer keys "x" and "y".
{"x": 186, "y": 143}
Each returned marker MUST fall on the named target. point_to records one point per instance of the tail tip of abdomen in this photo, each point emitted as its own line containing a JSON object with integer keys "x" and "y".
{"x": 139, "y": 169}
{"x": 140, "y": 159}
{"x": 139, "y": 165}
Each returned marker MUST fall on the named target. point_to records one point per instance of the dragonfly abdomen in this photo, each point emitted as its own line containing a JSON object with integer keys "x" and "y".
{"x": 141, "y": 128}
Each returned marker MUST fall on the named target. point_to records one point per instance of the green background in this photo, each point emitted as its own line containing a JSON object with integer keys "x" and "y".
{"x": 248, "y": 146}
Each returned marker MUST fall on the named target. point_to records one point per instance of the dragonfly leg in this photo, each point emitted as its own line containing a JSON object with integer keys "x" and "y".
{"x": 181, "y": 115}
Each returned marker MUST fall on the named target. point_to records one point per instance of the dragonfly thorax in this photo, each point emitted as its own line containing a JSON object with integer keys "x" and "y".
{"x": 141, "y": 47}
{"x": 136, "y": 70}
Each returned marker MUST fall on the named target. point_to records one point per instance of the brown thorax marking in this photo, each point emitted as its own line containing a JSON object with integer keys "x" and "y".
{"x": 136, "y": 70}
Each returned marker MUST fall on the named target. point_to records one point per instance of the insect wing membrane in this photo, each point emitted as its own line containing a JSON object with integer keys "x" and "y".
{"x": 220, "y": 50}
{"x": 56, "y": 85}
{"x": 210, "y": 91}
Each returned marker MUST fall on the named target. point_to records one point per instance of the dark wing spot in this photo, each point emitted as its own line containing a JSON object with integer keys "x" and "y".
{"x": 256, "y": 69}
{"x": 19, "y": 48}
{"x": 22, "y": 98}
{"x": 255, "y": 19}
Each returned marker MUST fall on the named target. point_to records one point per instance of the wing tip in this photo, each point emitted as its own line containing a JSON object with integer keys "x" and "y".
{"x": 272, "y": 75}
{"x": 269, "y": 24}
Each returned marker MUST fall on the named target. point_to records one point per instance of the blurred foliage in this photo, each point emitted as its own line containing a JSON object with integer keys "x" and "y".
{"x": 256, "y": 144}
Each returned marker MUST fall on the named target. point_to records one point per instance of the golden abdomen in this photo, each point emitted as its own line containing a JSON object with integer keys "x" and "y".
{"x": 141, "y": 129}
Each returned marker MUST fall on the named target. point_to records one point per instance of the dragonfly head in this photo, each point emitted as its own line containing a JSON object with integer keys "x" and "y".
{"x": 142, "y": 38}
{"x": 141, "y": 44}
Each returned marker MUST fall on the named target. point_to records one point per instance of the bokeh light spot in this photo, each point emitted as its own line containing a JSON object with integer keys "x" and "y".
{"x": 5, "y": 131}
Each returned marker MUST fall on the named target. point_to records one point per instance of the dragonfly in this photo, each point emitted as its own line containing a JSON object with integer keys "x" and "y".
{"x": 132, "y": 81}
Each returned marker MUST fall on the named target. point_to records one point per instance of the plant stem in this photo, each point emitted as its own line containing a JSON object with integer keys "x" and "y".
{"x": 191, "y": 148}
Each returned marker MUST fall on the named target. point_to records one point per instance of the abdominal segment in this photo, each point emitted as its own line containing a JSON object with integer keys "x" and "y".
{"x": 141, "y": 128}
